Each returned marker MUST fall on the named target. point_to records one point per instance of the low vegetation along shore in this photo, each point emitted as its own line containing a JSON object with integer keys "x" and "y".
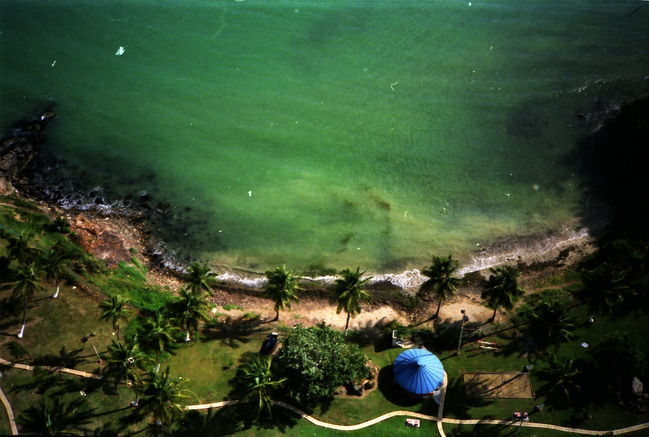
{"x": 81, "y": 292}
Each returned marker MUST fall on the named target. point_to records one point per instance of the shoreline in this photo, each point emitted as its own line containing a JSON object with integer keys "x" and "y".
{"x": 530, "y": 252}
{"x": 111, "y": 228}
{"x": 111, "y": 236}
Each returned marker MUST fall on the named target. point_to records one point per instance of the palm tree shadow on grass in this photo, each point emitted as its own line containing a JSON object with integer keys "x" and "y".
{"x": 233, "y": 332}
{"x": 56, "y": 384}
{"x": 521, "y": 345}
{"x": 458, "y": 402}
{"x": 376, "y": 333}
{"x": 70, "y": 359}
{"x": 233, "y": 419}
{"x": 41, "y": 381}
{"x": 484, "y": 430}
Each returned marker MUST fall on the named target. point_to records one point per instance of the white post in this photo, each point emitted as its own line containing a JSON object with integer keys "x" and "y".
{"x": 56, "y": 294}
{"x": 187, "y": 337}
{"x": 22, "y": 331}
{"x": 465, "y": 318}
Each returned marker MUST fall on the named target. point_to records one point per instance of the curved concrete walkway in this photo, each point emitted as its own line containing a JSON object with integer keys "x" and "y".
{"x": 439, "y": 419}
{"x": 10, "y": 413}
{"x": 50, "y": 368}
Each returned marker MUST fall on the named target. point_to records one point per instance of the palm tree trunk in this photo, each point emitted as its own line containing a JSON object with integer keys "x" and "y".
{"x": 136, "y": 402}
{"x": 439, "y": 304}
{"x": 494, "y": 315}
{"x": 22, "y": 329}
{"x": 56, "y": 294}
{"x": 347, "y": 324}
{"x": 277, "y": 315}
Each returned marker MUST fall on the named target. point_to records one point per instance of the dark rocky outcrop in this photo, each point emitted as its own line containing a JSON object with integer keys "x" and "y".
{"x": 18, "y": 149}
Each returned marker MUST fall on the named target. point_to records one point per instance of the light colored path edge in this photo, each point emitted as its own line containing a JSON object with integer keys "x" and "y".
{"x": 370, "y": 422}
{"x": 440, "y": 410}
{"x": 10, "y": 413}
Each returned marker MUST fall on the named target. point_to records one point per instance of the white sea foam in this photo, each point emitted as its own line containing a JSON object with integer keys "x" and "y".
{"x": 410, "y": 280}
{"x": 537, "y": 248}
{"x": 248, "y": 281}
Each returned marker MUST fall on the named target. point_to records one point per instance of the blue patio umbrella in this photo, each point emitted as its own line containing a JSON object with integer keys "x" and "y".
{"x": 418, "y": 371}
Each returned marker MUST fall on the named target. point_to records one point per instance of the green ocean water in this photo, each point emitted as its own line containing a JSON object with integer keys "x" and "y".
{"x": 326, "y": 133}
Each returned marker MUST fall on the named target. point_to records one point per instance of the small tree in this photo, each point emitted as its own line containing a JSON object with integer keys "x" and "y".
{"x": 548, "y": 323}
{"x": 200, "y": 278}
{"x": 54, "y": 268}
{"x": 25, "y": 286}
{"x": 564, "y": 381}
{"x": 162, "y": 398}
{"x": 282, "y": 288}
{"x": 605, "y": 288}
{"x": 254, "y": 382}
{"x": 441, "y": 282}
{"x": 158, "y": 336}
{"x": 315, "y": 362}
{"x": 502, "y": 288}
{"x": 188, "y": 311}
{"x": 114, "y": 309}
{"x": 124, "y": 362}
{"x": 619, "y": 358}
{"x": 350, "y": 292}
{"x": 21, "y": 247}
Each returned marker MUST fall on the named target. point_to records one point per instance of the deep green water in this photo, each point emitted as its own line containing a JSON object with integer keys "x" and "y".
{"x": 330, "y": 133}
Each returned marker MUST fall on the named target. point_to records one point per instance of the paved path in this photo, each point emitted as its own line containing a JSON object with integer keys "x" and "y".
{"x": 440, "y": 410}
{"x": 439, "y": 419}
{"x": 50, "y": 368}
{"x": 10, "y": 412}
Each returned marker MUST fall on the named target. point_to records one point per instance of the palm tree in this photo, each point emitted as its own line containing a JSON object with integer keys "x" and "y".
{"x": 54, "y": 268}
{"x": 20, "y": 247}
{"x": 563, "y": 381}
{"x": 114, "y": 309}
{"x": 124, "y": 361}
{"x": 188, "y": 311}
{"x": 502, "y": 288}
{"x": 282, "y": 288}
{"x": 549, "y": 323}
{"x": 200, "y": 278}
{"x": 350, "y": 292}
{"x": 26, "y": 284}
{"x": 605, "y": 287}
{"x": 53, "y": 416}
{"x": 256, "y": 384}
{"x": 162, "y": 397}
{"x": 158, "y": 336}
{"x": 441, "y": 281}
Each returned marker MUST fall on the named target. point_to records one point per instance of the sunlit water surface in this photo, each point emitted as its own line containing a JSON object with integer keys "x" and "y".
{"x": 326, "y": 133}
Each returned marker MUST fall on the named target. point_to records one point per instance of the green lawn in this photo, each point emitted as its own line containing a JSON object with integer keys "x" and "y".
{"x": 210, "y": 362}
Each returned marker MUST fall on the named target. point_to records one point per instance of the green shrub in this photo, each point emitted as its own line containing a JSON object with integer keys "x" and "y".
{"x": 316, "y": 361}
{"x": 129, "y": 280}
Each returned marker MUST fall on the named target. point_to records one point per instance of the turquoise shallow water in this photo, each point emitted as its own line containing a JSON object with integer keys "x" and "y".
{"x": 328, "y": 134}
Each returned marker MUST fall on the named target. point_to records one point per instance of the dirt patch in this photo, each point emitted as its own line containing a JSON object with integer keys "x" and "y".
{"x": 369, "y": 385}
{"x": 309, "y": 311}
{"x": 107, "y": 238}
{"x": 501, "y": 385}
